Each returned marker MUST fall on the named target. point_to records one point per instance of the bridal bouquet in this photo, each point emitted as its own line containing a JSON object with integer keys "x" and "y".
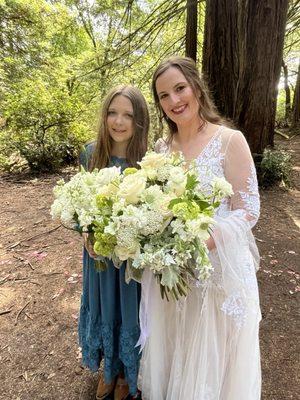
{"x": 155, "y": 217}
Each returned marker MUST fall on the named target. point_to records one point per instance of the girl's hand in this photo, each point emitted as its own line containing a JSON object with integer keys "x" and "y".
{"x": 88, "y": 245}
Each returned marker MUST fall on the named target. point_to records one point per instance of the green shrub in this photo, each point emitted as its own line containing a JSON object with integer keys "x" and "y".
{"x": 275, "y": 167}
{"x": 14, "y": 163}
{"x": 43, "y": 122}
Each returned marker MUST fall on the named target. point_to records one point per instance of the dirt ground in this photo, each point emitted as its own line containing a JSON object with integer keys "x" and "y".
{"x": 40, "y": 285}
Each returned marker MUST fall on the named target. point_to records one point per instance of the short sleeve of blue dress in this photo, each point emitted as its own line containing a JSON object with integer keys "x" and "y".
{"x": 109, "y": 314}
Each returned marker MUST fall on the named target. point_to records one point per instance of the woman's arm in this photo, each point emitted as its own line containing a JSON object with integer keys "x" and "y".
{"x": 240, "y": 171}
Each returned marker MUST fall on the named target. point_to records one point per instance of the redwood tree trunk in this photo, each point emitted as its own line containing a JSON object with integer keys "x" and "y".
{"x": 296, "y": 102}
{"x": 191, "y": 29}
{"x": 220, "y": 53}
{"x": 242, "y": 60}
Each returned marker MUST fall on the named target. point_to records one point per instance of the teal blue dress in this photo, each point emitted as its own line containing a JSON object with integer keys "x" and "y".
{"x": 109, "y": 314}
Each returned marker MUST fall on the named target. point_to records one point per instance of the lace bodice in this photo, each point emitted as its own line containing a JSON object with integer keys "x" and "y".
{"x": 227, "y": 155}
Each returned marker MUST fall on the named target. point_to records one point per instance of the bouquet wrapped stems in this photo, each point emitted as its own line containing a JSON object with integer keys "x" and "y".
{"x": 181, "y": 288}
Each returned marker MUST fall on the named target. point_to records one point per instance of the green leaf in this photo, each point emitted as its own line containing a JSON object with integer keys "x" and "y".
{"x": 192, "y": 182}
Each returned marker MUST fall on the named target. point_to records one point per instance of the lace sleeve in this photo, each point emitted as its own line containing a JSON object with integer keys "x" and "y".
{"x": 240, "y": 172}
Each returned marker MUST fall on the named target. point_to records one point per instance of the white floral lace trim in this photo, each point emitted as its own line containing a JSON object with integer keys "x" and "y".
{"x": 250, "y": 276}
{"x": 251, "y": 197}
{"x": 210, "y": 163}
{"x": 235, "y": 308}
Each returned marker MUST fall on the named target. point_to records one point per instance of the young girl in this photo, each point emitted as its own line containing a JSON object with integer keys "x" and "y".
{"x": 206, "y": 347}
{"x": 108, "y": 324}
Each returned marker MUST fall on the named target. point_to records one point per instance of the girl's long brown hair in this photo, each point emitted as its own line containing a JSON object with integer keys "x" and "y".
{"x": 137, "y": 146}
{"x": 187, "y": 66}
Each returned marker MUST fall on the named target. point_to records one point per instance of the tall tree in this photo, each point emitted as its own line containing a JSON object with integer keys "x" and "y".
{"x": 296, "y": 102}
{"x": 242, "y": 59}
{"x": 287, "y": 90}
{"x": 191, "y": 29}
{"x": 220, "y": 60}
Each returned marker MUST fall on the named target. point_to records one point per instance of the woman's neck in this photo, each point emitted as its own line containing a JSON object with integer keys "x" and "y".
{"x": 187, "y": 132}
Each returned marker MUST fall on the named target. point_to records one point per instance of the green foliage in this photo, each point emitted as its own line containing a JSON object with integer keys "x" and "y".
{"x": 276, "y": 167}
{"x": 14, "y": 163}
{"x": 59, "y": 58}
{"x": 42, "y": 120}
{"x": 280, "y": 112}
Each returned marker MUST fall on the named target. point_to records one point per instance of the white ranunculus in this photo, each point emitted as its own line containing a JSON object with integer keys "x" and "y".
{"x": 132, "y": 187}
{"x": 106, "y": 175}
{"x": 177, "y": 181}
{"x": 199, "y": 227}
{"x": 221, "y": 187}
{"x": 152, "y": 194}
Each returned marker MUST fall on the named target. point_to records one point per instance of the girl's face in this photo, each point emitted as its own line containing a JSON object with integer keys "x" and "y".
{"x": 176, "y": 96}
{"x": 120, "y": 119}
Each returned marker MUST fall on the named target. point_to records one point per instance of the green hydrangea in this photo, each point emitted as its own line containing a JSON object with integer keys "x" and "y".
{"x": 186, "y": 210}
{"x": 104, "y": 204}
{"x": 104, "y": 244}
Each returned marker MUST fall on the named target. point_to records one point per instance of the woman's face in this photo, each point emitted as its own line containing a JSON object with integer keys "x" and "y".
{"x": 176, "y": 96}
{"x": 120, "y": 119}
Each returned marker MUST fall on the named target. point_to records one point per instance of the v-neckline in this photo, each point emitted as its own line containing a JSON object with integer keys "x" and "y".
{"x": 214, "y": 136}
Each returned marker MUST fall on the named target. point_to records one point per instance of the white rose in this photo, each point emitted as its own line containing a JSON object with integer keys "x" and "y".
{"x": 221, "y": 187}
{"x": 153, "y": 160}
{"x": 132, "y": 187}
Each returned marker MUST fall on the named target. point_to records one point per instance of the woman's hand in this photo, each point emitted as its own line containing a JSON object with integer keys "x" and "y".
{"x": 88, "y": 245}
{"x": 210, "y": 243}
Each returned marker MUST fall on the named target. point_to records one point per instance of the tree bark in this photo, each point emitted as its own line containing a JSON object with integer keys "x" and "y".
{"x": 242, "y": 60}
{"x": 191, "y": 29}
{"x": 220, "y": 53}
{"x": 296, "y": 102}
{"x": 287, "y": 91}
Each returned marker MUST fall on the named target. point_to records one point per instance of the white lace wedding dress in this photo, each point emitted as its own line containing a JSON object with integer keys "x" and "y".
{"x": 206, "y": 347}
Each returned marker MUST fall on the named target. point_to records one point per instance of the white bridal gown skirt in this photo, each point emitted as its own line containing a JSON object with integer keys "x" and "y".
{"x": 206, "y": 347}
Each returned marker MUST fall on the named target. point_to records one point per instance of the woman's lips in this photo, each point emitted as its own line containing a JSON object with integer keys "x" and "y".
{"x": 119, "y": 130}
{"x": 179, "y": 110}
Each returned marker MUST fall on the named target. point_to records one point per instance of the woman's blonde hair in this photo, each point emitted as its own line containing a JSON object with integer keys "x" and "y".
{"x": 137, "y": 145}
{"x": 187, "y": 66}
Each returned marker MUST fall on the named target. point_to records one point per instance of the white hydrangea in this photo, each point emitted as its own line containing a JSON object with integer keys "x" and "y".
{"x": 153, "y": 222}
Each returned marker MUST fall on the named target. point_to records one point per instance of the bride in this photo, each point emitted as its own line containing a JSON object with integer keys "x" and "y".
{"x": 206, "y": 346}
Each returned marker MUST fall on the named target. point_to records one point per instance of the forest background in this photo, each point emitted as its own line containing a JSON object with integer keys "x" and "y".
{"x": 59, "y": 58}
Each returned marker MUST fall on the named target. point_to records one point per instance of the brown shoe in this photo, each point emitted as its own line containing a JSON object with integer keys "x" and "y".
{"x": 104, "y": 389}
{"x": 121, "y": 390}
